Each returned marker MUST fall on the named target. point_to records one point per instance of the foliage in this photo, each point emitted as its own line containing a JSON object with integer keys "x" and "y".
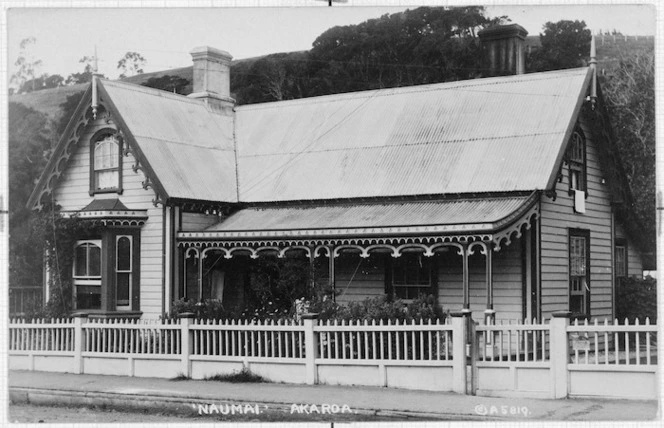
{"x": 424, "y": 45}
{"x": 57, "y": 235}
{"x": 130, "y": 64}
{"x": 637, "y": 299}
{"x": 42, "y": 82}
{"x": 174, "y": 84}
{"x": 243, "y": 376}
{"x": 565, "y": 44}
{"x": 208, "y": 309}
{"x": 275, "y": 284}
{"x": 629, "y": 92}
{"x": 27, "y": 65}
{"x": 381, "y": 308}
{"x": 28, "y": 145}
{"x": 86, "y": 75}
{"x": 68, "y": 108}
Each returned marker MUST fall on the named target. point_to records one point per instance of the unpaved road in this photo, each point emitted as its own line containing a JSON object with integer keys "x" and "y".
{"x": 27, "y": 413}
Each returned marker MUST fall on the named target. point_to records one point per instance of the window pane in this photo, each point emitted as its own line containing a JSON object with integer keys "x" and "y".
{"x": 620, "y": 261}
{"x": 94, "y": 261}
{"x": 124, "y": 254}
{"x": 106, "y": 153}
{"x": 122, "y": 289}
{"x": 577, "y": 256}
{"x": 577, "y": 304}
{"x": 106, "y": 179}
{"x": 81, "y": 260}
{"x": 88, "y": 297}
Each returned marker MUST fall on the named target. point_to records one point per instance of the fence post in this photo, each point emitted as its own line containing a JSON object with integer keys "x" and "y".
{"x": 559, "y": 353}
{"x": 186, "y": 344}
{"x": 459, "y": 332}
{"x": 79, "y": 342}
{"x": 310, "y": 348}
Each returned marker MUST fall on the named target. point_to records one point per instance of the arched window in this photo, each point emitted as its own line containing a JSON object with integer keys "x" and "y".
{"x": 87, "y": 274}
{"x": 576, "y": 153}
{"x": 105, "y": 159}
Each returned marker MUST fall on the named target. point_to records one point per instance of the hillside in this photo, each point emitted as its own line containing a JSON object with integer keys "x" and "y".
{"x": 48, "y": 101}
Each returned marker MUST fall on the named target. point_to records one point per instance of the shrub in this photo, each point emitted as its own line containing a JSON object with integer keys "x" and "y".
{"x": 637, "y": 299}
{"x": 208, "y": 309}
{"x": 381, "y": 308}
{"x": 243, "y": 376}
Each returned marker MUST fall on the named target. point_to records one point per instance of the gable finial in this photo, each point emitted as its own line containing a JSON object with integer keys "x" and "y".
{"x": 95, "y": 75}
{"x": 593, "y": 68}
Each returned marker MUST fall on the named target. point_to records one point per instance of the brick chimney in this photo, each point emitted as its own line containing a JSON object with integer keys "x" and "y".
{"x": 503, "y": 50}
{"x": 212, "y": 78}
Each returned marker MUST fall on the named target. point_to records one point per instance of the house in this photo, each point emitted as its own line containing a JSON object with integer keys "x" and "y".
{"x": 499, "y": 196}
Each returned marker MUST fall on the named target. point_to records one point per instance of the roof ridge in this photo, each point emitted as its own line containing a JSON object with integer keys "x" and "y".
{"x": 441, "y": 86}
{"x": 152, "y": 91}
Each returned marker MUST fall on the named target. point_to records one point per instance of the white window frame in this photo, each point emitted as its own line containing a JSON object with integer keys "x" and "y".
{"x": 87, "y": 280}
{"x": 129, "y": 271}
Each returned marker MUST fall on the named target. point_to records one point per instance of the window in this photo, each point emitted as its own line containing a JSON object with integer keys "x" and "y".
{"x": 579, "y": 272}
{"x": 123, "y": 272}
{"x": 576, "y": 153}
{"x": 105, "y": 161}
{"x": 411, "y": 276}
{"x": 620, "y": 259}
{"x": 87, "y": 274}
{"x": 107, "y": 271}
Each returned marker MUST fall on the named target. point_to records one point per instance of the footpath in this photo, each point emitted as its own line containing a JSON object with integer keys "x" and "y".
{"x": 199, "y": 396}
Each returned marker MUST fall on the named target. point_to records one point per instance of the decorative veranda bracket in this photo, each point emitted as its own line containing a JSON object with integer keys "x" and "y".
{"x": 326, "y": 250}
{"x": 505, "y": 236}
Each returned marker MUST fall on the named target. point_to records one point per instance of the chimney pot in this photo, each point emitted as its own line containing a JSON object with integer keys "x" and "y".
{"x": 212, "y": 81}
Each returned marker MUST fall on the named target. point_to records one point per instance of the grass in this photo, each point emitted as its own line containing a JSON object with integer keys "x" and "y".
{"x": 243, "y": 376}
{"x": 179, "y": 377}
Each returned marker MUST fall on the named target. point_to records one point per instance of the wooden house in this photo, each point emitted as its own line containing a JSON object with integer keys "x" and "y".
{"x": 497, "y": 195}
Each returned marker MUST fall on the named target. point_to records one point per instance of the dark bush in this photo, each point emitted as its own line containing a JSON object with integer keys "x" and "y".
{"x": 637, "y": 299}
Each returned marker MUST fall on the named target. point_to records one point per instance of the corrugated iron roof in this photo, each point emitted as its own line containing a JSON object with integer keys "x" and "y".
{"x": 486, "y": 135}
{"x": 189, "y": 147}
{"x": 373, "y": 215}
{"x": 105, "y": 205}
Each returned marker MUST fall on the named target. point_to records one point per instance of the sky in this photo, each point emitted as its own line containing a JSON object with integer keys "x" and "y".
{"x": 164, "y": 36}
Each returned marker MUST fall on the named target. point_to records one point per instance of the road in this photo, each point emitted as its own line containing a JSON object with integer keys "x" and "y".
{"x": 27, "y": 413}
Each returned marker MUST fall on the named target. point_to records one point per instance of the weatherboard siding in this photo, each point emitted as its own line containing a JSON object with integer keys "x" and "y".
{"x": 357, "y": 279}
{"x": 507, "y": 283}
{"x": 72, "y": 193}
{"x": 557, "y": 218}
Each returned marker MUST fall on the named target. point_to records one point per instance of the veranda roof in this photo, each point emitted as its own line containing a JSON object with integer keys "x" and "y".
{"x": 482, "y": 215}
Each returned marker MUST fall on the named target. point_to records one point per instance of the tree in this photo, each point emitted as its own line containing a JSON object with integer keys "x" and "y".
{"x": 565, "y": 44}
{"x": 174, "y": 84}
{"x": 86, "y": 75}
{"x": 629, "y": 92}
{"x": 27, "y": 65}
{"x": 29, "y": 142}
{"x": 424, "y": 45}
{"x": 131, "y": 64}
{"x": 43, "y": 82}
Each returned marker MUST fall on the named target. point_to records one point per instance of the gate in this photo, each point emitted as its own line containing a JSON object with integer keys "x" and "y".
{"x": 511, "y": 359}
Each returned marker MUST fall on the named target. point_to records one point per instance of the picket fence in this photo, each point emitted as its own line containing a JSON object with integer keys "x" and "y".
{"x": 552, "y": 359}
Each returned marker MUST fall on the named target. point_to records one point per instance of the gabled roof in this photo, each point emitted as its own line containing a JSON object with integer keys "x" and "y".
{"x": 188, "y": 146}
{"x": 499, "y": 134}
